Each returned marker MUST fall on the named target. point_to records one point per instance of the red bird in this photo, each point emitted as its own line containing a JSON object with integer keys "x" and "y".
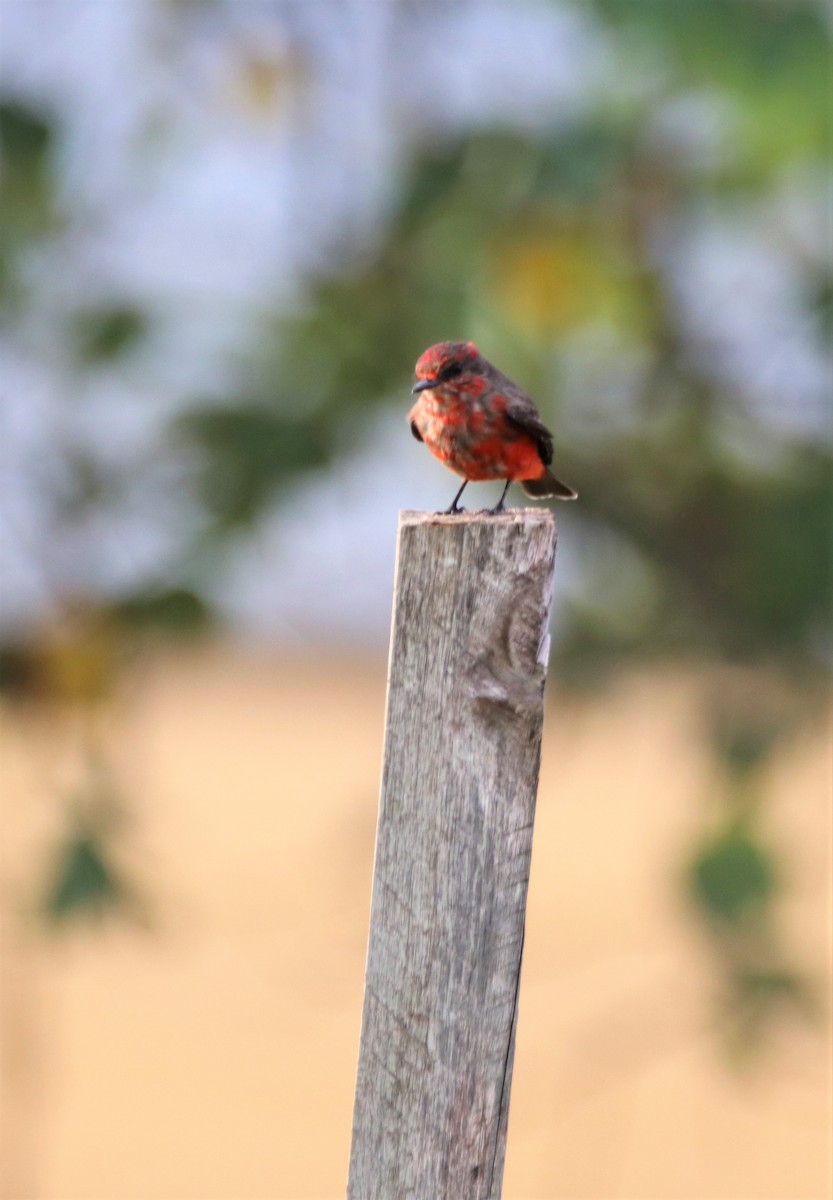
{"x": 481, "y": 424}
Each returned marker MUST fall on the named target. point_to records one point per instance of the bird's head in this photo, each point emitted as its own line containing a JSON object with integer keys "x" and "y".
{"x": 447, "y": 362}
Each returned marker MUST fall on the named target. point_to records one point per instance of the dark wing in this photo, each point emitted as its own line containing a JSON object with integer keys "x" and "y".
{"x": 522, "y": 414}
{"x": 415, "y": 431}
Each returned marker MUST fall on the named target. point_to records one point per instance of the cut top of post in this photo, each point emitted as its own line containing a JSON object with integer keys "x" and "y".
{"x": 492, "y": 556}
{"x": 527, "y": 517}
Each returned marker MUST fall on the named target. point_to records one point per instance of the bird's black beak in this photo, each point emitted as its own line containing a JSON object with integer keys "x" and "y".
{"x": 422, "y": 385}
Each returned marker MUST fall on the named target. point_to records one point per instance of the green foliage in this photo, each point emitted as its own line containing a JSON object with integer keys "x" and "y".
{"x": 745, "y": 747}
{"x": 18, "y": 673}
{"x": 733, "y": 879}
{"x": 83, "y": 882}
{"x": 249, "y": 453}
{"x": 772, "y": 60}
{"x": 756, "y": 996}
{"x": 741, "y": 552}
{"x": 27, "y": 202}
{"x": 25, "y": 138}
{"x": 723, "y": 40}
{"x": 173, "y": 610}
{"x": 103, "y": 334}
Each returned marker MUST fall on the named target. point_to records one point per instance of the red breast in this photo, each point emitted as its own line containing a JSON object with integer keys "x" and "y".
{"x": 466, "y": 429}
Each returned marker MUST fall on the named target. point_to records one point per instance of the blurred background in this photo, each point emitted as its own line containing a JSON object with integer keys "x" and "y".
{"x": 228, "y": 231}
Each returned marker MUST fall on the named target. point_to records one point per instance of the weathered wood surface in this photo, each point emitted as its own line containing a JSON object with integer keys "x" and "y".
{"x": 468, "y": 658}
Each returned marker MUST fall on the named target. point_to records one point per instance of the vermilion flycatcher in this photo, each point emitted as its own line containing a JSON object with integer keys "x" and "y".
{"x": 481, "y": 424}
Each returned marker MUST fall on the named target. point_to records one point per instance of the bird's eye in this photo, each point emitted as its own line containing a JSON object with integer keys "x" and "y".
{"x": 451, "y": 371}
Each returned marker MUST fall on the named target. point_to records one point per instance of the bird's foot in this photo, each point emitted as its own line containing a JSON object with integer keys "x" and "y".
{"x": 450, "y": 512}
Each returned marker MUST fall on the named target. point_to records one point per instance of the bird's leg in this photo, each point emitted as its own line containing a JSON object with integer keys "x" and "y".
{"x": 499, "y": 507}
{"x": 453, "y": 507}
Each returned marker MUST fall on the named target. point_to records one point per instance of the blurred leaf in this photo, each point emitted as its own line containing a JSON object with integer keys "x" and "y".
{"x": 73, "y": 664}
{"x": 249, "y": 453}
{"x": 758, "y": 996}
{"x": 820, "y": 289}
{"x": 763, "y": 986}
{"x": 434, "y": 173}
{"x": 744, "y": 747}
{"x": 82, "y": 883}
{"x": 27, "y": 207}
{"x": 103, "y": 334}
{"x": 25, "y": 137}
{"x": 19, "y": 674}
{"x": 732, "y": 878}
{"x": 178, "y": 610}
{"x": 78, "y": 662}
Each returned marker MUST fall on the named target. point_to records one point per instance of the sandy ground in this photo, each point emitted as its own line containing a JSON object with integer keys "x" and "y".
{"x": 213, "y": 1057}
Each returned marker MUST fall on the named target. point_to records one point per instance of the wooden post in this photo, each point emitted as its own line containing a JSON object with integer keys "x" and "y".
{"x": 468, "y": 659}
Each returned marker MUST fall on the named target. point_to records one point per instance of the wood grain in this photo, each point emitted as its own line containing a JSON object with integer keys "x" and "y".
{"x": 468, "y": 655}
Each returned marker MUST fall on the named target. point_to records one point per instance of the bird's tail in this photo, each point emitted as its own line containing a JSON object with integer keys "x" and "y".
{"x": 548, "y": 485}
